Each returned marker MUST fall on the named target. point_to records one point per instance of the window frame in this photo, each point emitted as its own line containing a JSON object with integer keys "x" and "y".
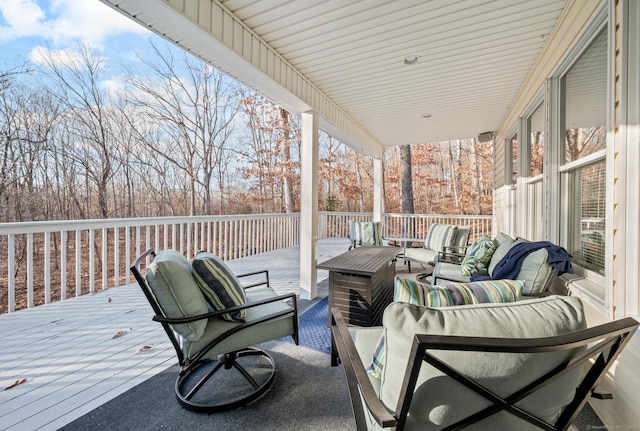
{"x": 589, "y": 284}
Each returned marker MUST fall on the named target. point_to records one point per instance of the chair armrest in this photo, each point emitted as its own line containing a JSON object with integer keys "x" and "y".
{"x": 451, "y": 257}
{"x": 176, "y": 320}
{"x": 264, "y": 282}
{"x": 455, "y": 249}
{"x": 358, "y": 382}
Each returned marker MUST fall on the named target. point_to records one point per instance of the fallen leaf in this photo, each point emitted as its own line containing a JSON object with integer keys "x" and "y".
{"x": 119, "y": 334}
{"x": 144, "y": 348}
{"x": 16, "y": 383}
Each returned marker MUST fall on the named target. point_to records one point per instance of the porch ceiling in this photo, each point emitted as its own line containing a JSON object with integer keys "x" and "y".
{"x": 473, "y": 56}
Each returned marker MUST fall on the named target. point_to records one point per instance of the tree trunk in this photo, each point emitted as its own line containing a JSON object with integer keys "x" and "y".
{"x": 286, "y": 154}
{"x": 406, "y": 187}
{"x": 455, "y": 172}
{"x": 476, "y": 179}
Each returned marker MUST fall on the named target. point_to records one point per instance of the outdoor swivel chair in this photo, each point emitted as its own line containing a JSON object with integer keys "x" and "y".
{"x": 219, "y": 370}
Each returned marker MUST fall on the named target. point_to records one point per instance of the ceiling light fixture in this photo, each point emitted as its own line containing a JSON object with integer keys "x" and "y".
{"x": 410, "y": 60}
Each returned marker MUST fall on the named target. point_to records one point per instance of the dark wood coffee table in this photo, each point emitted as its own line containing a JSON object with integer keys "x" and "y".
{"x": 361, "y": 285}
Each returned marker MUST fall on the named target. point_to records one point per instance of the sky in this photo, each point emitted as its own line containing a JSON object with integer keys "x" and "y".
{"x": 29, "y": 27}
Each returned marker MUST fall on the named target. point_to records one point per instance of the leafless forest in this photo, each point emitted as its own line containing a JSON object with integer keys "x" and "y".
{"x": 176, "y": 136}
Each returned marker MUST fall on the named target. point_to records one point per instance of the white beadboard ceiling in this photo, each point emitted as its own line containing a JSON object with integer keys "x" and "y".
{"x": 473, "y": 55}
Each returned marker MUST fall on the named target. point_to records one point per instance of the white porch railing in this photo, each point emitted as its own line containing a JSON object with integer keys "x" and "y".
{"x": 336, "y": 224}
{"x": 54, "y": 260}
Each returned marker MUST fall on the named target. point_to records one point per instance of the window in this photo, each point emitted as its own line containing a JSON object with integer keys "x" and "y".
{"x": 584, "y": 100}
{"x": 588, "y": 240}
{"x": 514, "y": 159}
{"x": 536, "y": 143}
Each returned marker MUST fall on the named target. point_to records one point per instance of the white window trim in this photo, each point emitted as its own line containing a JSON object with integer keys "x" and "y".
{"x": 585, "y": 161}
{"x": 589, "y": 285}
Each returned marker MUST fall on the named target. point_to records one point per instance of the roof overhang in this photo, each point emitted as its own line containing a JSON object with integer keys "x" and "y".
{"x": 345, "y": 59}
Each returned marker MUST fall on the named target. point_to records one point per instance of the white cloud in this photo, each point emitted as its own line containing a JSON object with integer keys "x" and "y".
{"x": 65, "y": 21}
{"x": 22, "y": 18}
{"x": 69, "y": 58}
{"x": 114, "y": 87}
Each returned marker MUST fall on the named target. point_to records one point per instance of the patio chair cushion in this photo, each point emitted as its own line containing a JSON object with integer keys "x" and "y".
{"x": 503, "y": 243}
{"x": 219, "y": 285}
{"x": 478, "y": 256}
{"x": 421, "y": 254}
{"x": 449, "y": 271}
{"x": 246, "y": 335}
{"x": 170, "y": 278}
{"x": 440, "y": 236}
{"x": 499, "y": 372}
{"x": 461, "y": 239}
{"x": 365, "y": 233}
{"x": 449, "y": 294}
{"x": 535, "y": 270}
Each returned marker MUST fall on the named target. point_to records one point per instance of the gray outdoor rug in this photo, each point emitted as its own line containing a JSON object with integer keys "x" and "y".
{"x": 308, "y": 394}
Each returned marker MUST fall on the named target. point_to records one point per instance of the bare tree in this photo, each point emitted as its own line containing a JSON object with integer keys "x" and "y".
{"x": 73, "y": 80}
{"x": 270, "y": 166}
{"x": 193, "y": 105}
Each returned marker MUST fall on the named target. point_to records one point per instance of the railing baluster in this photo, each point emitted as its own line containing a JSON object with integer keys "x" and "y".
{"x": 116, "y": 256}
{"x": 92, "y": 261}
{"x": 77, "y": 262}
{"x": 47, "y": 267}
{"x": 127, "y": 252}
{"x": 11, "y": 271}
{"x": 105, "y": 240}
{"x": 63, "y": 265}
{"x": 147, "y": 238}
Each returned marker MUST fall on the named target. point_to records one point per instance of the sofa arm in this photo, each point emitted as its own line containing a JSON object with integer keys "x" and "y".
{"x": 363, "y": 395}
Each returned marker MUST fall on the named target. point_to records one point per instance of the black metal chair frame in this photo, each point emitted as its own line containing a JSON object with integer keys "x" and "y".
{"x": 603, "y": 343}
{"x": 225, "y": 361}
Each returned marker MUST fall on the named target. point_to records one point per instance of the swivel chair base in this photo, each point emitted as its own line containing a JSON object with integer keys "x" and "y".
{"x": 194, "y": 394}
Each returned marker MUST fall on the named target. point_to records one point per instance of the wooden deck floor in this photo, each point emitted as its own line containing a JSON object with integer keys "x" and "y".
{"x": 78, "y": 354}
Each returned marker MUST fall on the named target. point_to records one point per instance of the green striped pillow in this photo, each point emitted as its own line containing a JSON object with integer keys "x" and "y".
{"x": 220, "y": 286}
{"x": 444, "y": 295}
{"x": 489, "y": 290}
{"x": 414, "y": 292}
{"x": 440, "y": 236}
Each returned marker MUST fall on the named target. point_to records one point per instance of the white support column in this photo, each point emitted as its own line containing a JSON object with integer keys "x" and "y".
{"x": 625, "y": 297}
{"x": 378, "y": 194}
{"x": 309, "y": 206}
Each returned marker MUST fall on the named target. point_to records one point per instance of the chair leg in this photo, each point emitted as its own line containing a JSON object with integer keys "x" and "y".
{"x": 224, "y": 391}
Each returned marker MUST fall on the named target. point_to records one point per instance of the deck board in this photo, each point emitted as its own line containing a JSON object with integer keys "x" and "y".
{"x": 71, "y": 361}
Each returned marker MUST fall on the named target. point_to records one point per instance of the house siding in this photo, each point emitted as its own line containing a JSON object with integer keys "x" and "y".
{"x": 625, "y": 211}
{"x": 623, "y": 173}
